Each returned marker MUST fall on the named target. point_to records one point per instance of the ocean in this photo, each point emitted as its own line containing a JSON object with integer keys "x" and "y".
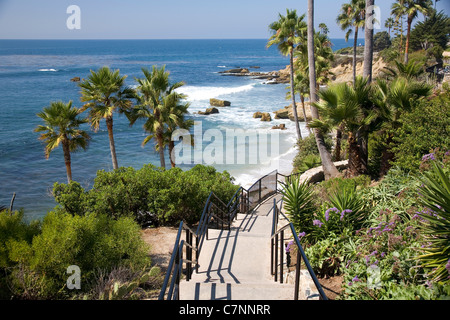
{"x": 33, "y": 73}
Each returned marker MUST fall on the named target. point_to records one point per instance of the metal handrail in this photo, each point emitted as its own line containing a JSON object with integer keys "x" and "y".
{"x": 239, "y": 202}
{"x": 278, "y": 237}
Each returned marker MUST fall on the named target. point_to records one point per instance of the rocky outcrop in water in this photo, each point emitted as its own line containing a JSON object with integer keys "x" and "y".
{"x": 219, "y": 103}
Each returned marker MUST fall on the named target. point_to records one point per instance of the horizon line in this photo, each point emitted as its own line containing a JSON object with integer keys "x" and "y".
{"x": 142, "y": 39}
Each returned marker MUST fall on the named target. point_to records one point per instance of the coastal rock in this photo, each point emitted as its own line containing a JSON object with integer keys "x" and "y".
{"x": 208, "y": 111}
{"x": 266, "y": 116}
{"x": 219, "y": 103}
{"x": 281, "y": 126}
{"x": 287, "y": 113}
{"x": 75, "y": 79}
{"x": 257, "y": 115}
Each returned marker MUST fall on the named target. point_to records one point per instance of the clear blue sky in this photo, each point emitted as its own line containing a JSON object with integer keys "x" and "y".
{"x": 163, "y": 19}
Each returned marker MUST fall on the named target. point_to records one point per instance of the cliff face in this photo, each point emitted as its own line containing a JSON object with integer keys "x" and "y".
{"x": 344, "y": 72}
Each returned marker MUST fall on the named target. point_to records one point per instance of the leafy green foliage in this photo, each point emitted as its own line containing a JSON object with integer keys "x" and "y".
{"x": 435, "y": 197}
{"x": 298, "y": 202}
{"x": 425, "y": 128}
{"x": 38, "y": 258}
{"x": 149, "y": 195}
{"x": 308, "y": 154}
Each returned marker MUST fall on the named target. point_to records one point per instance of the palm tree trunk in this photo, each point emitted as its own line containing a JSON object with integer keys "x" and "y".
{"x": 294, "y": 105}
{"x": 368, "y": 43}
{"x": 353, "y": 157}
{"x": 355, "y": 45}
{"x": 160, "y": 139}
{"x": 337, "y": 148}
{"x": 67, "y": 160}
{"x": 109, "y": 125}
{"x": 302, "y": 99}
{"x": 408, "y": 33}
{"x": 329, "y": 169}
{"x": 171, "y": 155}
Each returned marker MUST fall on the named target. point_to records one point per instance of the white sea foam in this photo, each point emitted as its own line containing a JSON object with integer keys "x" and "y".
{"x": 48, "y": 70}
{"x": 199, "y": 93}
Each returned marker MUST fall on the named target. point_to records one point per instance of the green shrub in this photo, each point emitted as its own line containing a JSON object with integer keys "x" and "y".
{"x": 91, "y": 242}
{"x": 423, "y": 129}
{"x": 149, "y": 195}
{"x": 435, "y": 218}
{"x": 308, "y": 154}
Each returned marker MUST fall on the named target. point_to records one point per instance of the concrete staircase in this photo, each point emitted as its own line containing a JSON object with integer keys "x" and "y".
{"x": 235, "y": 264}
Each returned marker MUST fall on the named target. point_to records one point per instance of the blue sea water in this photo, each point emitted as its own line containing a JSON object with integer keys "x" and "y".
{"x": 34, "y": 73}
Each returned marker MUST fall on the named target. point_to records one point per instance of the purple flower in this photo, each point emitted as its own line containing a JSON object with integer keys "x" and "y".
{"x": 288, "y": 247}
{"x": 383, "y": 254}
{"x": 301, "y": 234}
{"x": 317, "y": 223}
{"x": 447, "y": 266}
{"x": 327, "y": 213}
{"x": 355, "y": 279}
{"x": 429, "y": 156}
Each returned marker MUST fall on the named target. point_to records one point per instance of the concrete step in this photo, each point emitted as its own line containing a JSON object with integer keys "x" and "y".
{"x": 232, "y": 291}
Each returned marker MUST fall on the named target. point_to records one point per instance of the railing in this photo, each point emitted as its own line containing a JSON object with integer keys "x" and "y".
{"x": 278, "y": 252}
{"x": 215, "y": 211}
{"x": 175, "y": 267}
{"x": 222, "y": 215}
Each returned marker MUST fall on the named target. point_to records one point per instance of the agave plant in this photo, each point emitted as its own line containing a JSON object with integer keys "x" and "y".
{"x": 298, "y": 199}
{"x": 435, "y": 195}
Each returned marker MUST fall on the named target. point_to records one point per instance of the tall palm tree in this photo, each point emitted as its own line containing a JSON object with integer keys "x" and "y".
{"x": 368, "y": 41}
{"x": 389, "y": 23}
{"x": 352, "y": 15}
{"x": 343, "y": 106}
{"x": 159, "y": 105}
{"x": 324, "y": 28}
{"x": 410, "y": 9}
{"x": 105, "y": 93}
{"x": 61, "y": 126}
{"x": 323, "y": 58}
{"x": 329, "y": 169}
{"x": 288, "y": 31}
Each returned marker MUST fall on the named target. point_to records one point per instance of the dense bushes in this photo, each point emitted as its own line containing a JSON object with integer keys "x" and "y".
{"x": 423, "y": 129}
{"x": 396, "y": 247}
{"x": 35, "y": 257}
{"x": 149, "y": 195}
{"x": 96, "y": 230}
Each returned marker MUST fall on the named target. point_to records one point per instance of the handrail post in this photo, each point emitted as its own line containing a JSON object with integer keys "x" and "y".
{"x": 276, "y": 257}
{"x": 259, "y": 190}
{"x": 281, "y": 255}
{"x": 297, "y": 275}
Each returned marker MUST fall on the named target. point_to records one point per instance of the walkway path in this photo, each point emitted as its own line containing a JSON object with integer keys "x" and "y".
{"x": 235, "y": 264}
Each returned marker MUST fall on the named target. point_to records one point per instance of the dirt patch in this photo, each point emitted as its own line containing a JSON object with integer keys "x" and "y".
{"x": 332, "y": 286}
{"x": 161, "y": 241}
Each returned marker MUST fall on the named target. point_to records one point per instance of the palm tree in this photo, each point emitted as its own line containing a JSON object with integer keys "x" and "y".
{"x": 389, "y": 23}
{"x": 159, "y": 105}
{"x": 61, "y": 126}
{"x": 329, "y": 169}
{"x": 343, "y": 106}
{"x": 323, "y": 58}
{"x": 105, "y": 93}
{"x": 411, "y": 9}
{"x": 323, "y": 28}
{"x": 288, "y": 31}
{"x": 352, "y": 15}
{"x": 368, "y": 42}
{"x": 393, "y": 98}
